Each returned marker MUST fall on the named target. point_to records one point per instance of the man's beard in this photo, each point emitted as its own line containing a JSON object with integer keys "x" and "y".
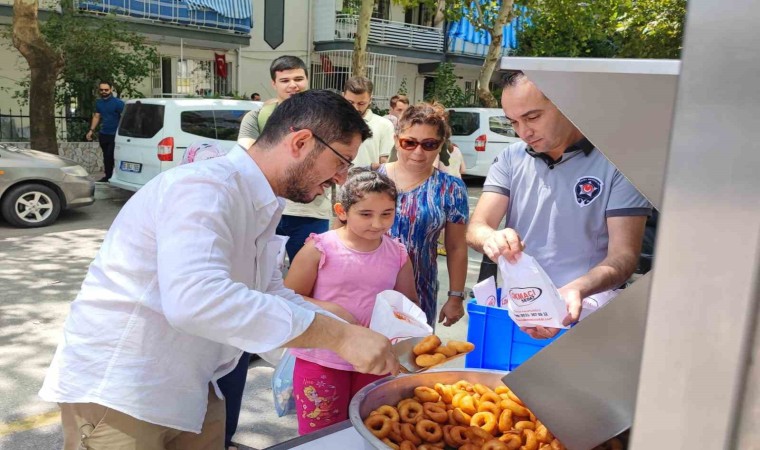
{"x": 105, "y": 95}
{"x": 299, "y": 181}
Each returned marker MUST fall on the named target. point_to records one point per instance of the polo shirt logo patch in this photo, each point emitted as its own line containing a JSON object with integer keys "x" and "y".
{"x": 587, "y": 189}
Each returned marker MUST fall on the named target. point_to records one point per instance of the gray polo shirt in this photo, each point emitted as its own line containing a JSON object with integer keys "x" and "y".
{"x": 560, "y": 208}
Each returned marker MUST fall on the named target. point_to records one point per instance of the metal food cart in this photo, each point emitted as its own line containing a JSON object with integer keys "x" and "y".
{"x": 674, "y": 357}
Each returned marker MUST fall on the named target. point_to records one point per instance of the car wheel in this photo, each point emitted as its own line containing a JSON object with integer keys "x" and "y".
{"x": 31, "y": 205}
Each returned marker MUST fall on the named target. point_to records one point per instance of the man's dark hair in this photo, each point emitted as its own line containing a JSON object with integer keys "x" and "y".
{"x": 510, "y": 79}
{"x": 110, "y": 86}
{"x": 254, "y": 95}
{"x": 325, "y": 113}
{"x": 358, "y": 85}
{"x": 284, "y": 63}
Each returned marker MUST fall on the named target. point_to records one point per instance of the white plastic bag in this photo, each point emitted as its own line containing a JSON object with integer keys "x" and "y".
{"x": 529, "y": 294}
{"x": 282, "y": 385}
{"x": 398, "y": 318}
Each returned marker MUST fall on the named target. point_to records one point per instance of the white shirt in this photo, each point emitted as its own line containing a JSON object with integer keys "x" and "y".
{"x": 381, "y": 142}
{"x": 184, "y": 279}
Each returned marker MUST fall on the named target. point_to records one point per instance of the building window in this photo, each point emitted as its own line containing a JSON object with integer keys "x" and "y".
{"x": 423, "y": 15}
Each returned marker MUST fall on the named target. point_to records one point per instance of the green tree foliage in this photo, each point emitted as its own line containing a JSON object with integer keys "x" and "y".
{"x": 402, "y": 89}
{"x": 95, "y": 49}
{"x": 652, "y": 29}
{"x": 445, "y": 89}
{"x": 602, "y": 28}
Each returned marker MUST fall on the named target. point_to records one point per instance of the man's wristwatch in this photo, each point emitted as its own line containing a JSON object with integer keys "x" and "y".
{"x": 459, "y": 294}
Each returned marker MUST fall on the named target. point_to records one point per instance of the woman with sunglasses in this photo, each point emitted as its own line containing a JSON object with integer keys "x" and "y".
{"x": 429, "y": 201}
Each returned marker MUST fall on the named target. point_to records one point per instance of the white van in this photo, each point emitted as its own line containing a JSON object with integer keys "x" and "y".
{"x": 154, "y": 134}
{"x": 481, "y": 134}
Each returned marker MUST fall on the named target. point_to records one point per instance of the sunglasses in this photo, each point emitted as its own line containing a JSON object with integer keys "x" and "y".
{"x": 104, "y": 90}
{"x": 429, "y": 145}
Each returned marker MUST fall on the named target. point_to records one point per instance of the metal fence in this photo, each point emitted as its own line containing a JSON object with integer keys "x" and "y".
{"x": 14, "y": 127}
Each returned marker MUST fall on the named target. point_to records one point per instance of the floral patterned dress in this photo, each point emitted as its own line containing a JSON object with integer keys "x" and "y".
{"x": 421, "y": 215}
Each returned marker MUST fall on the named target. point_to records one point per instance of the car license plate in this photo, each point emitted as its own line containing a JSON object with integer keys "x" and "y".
{"x": 127, "y": 166}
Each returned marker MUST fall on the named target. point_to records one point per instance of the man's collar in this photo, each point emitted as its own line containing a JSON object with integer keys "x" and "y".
{"x": 583, "y": 145}
{"x": 367, "y": 116}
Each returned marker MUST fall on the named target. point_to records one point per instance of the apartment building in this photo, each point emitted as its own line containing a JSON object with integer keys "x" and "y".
{"x": 221, "y": 47}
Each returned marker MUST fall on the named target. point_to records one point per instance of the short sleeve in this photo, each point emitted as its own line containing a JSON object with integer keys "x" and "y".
{"x": 625, "y": 199}
{"x": 457, "y": 208}
{"x": 387, "y": 143}
{"x": 316, "y": 239}
{"x": 403, "y": 253}
{"x": 99, "y": 107}
{"x": 120, "y": 106}
{"x": 499, "y": 177}
{"x": 249, "y": 126}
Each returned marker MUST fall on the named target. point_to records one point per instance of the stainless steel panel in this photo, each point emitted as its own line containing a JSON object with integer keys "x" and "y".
{"x": 623, "y": 106}
{"x": 703, "y": 310}
{"x": 583, "y": 386}
{"x": 391, "y": 390}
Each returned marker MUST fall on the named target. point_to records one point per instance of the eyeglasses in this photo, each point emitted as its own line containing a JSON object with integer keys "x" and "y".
{"x": 347, "y": 161}
{"x": 104, "y": 90}
{"x": 429, "y": 145}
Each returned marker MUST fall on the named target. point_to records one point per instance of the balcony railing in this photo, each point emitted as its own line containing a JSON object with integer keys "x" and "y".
{"x": 395, "y": 34}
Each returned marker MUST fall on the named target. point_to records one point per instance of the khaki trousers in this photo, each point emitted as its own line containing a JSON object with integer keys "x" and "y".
{"x": 90, "y": 426}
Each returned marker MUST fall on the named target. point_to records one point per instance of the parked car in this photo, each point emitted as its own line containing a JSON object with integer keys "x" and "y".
{"x": 481, "y": 134}
{"x": 154, "y": 134}
{"x": 36, "y": 186}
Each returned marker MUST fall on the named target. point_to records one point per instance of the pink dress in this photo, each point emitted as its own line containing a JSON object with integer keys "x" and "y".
{"x": 352, "y": 279}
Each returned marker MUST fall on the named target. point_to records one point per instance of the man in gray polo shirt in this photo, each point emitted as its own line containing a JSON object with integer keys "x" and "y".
{"x": 565, "y": 204}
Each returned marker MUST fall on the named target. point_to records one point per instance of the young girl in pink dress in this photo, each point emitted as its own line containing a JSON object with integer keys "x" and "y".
{"x": 345, "y": 269}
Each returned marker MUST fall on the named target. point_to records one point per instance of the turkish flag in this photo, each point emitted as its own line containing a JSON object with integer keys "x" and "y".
{"x": 327, "y": 66}
{"x": 221, "y": 65}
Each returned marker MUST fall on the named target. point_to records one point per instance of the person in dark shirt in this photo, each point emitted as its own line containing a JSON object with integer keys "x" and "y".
{"x": 108, "y": 111}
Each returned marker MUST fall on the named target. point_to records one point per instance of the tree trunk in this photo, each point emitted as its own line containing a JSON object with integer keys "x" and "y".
{"x": 492, "y": 57}
{"x": 359, "y": 60}
{"x": 44, "y": 64}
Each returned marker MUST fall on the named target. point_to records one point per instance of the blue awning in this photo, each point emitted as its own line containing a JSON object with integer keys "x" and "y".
{"x": 464, "y": 30}
{"x": 235, "y": 9}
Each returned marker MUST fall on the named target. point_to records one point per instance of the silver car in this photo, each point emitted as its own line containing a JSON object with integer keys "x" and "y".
{"x": 36, "y": 186}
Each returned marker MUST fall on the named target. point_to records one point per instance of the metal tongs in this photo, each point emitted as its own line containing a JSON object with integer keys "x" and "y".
{"x": 406, "y": 357}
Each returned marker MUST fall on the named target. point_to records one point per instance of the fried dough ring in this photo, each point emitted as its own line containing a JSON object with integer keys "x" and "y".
{"x": 461, "y": 417}
{"x": 515, "y": 398}
{"x": 467, "y": 405}
{"x": 462, "y": 346}
{"x": 427, "y": 345}
{"x": 470, "y": 447}
{"x": 426, "y": 360}
{"x": 459, "y": 435}
{"x": 406, "y": 445}
{"x": 478, "y": 436}
{"x": 531, "y": 443}
{"x": 390, "y": 444}
{"x": 543, "y": 434}
{"x": 395, "y": 434}
{"x": 494, "y": 444}
{"x": 380, "y": 426}
{"x": 429, "y": 431}
{"x": 408, "y": 433}
{"x": 447, "y": 436}
{"x": 463, "y": 385}
{"x": 505, "y": 421}
{"x": 387, "y": 411}
{"x": 557, "y": 445}
{"x": 491, "y": 407}
{"x": 491, "y": 397}
{"x": 445, "y": 391}
{"x": 426, "y": 394}
{"x": 512, "y": 440}
{"x": 525, "y": 425}
{"x": 501, "y": 390}
{"x": 446, "y": 351}
{"x": 485, "y": 420}
{"x": 516, "y": 408}
{"x": 410, "y": 412}
{"x": 435, "y": 413}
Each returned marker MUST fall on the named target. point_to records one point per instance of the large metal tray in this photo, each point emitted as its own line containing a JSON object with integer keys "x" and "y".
{"x": 391, "y": 390}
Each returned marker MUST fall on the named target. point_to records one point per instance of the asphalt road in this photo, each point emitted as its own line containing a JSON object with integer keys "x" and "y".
{"x": 40, "y": 273}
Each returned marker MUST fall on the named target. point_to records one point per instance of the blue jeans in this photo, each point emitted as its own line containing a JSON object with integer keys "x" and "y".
{"x": 298, "y": 229}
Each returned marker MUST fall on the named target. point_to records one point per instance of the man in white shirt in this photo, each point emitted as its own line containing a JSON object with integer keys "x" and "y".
{"x": 185, "y": 281}
{"x": 375, "y": 150}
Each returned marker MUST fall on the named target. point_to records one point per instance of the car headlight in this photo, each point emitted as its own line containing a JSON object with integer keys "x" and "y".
{"x": 77, "y": 171}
